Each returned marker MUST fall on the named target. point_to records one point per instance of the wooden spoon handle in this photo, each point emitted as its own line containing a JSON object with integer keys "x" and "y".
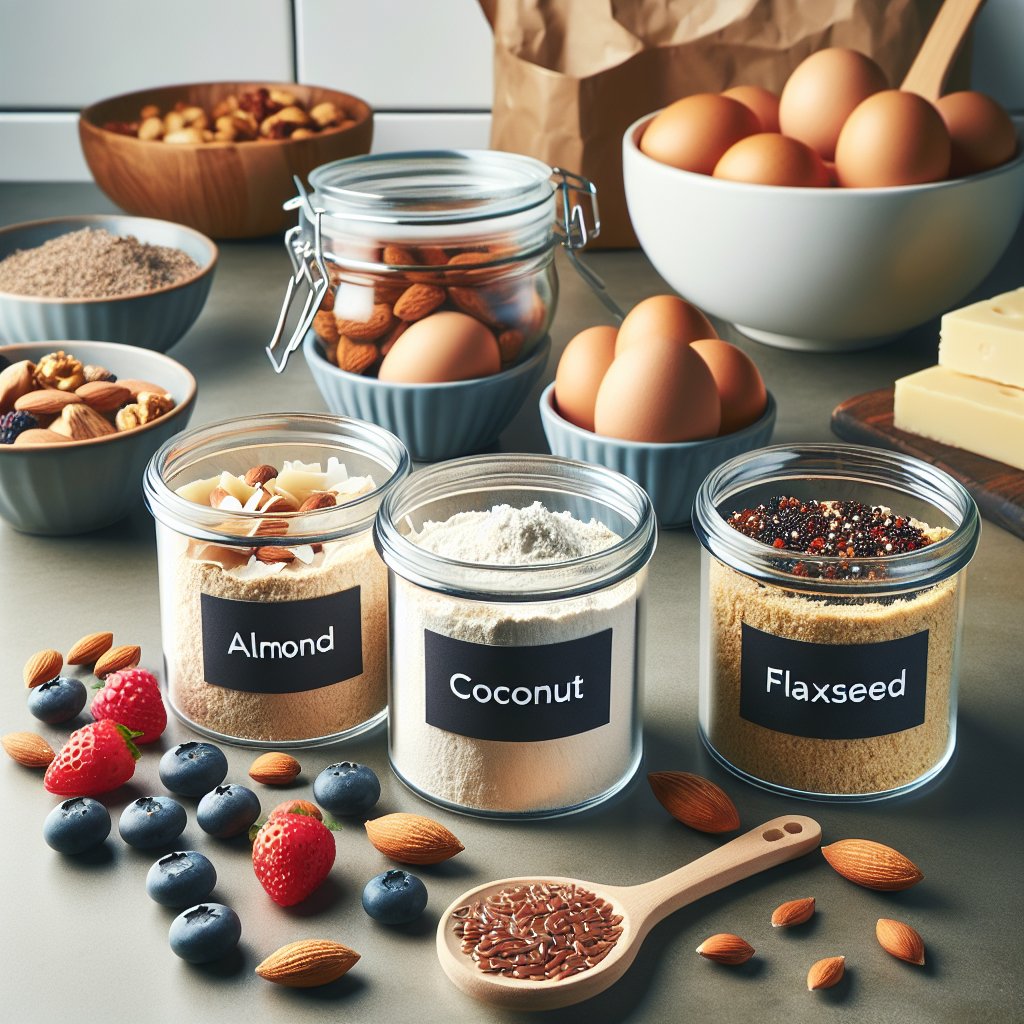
{"x": 774, "y": 842}
{"x": 927, "y": 75}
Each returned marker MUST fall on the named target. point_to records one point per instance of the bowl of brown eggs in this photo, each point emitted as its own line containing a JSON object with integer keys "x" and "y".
{"x": 661, "y": 399}
{"x": 833, "y": 216}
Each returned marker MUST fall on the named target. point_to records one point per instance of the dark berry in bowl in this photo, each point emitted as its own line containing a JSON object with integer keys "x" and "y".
{"x": 14, "y": 423}
{"x": 76, "y": 825}
{"x": 347, "y": 789}
{"x": 205, "y": 932}
{"x": 57, "y": 701}
{"x": 181, "y": 879}
{"x": 192, "y": 769}
{"x": 394, "y": 897}
{"x": 228, "y": 811}
{"x": 151, "y": 821}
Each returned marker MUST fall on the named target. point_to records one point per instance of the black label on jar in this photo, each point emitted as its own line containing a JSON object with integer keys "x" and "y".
{"x": 833, "y": 691}
{"x": 281, "y": 646}
{"x": 518, "y": 694}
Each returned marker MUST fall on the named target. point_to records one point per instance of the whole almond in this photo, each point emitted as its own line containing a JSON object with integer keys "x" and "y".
{"x": 900, "y": 940}
{"x": 274, "y": 768}
{"x": 511, "y": 344}
{"x": 473, "y": 302}
{"x": 431, "y": 256}
{"x": 269, "y": 555}
{"x": 34, "y": 436}
{"x": 82, "y": 423}
{"x": 412, "y": 838}
{"x": 297, "y": 807}
{"x": 307, "y": 963}
{"x": 826, "y": 973}
{"x": 795, "y": 912}
{"x": 16, "y": 380}
{"x": 695, "y": 801}
{"x": 726, "y": 948}
{"x": 116, "y": 659}
{"x": 418, "y": 301}
{"x": 400, "y": 256}
{"x": 269, "y": 528}
{"x": 259, "y": 475}
{"x": 326, "y": 326}
{"x": 369, "y": 329}
{"x": 28, "y": 748}
{"x": 42, "y": 667}
{"x": 318, "y": 499}
{"x": 872, "y": 865}
{"x": 47, "y": 401}
{"x": 354, "y": 356}
{"x": 88, "y": 650}
{"x": 136, "y": 387}
{"x": 104, "y": 395}
{"x": 220, "y": 498}
{"x": 278, "y": 503}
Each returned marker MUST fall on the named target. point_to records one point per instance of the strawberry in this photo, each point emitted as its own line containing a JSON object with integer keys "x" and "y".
{"x": 132, "y": 698}
{"x": 291, "y": 855}
{"x": 96, "y": 758}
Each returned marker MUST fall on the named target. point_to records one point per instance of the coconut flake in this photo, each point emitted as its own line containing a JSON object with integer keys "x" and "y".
{"x": 253, "y": 501}
{"x": 304, "y": 553}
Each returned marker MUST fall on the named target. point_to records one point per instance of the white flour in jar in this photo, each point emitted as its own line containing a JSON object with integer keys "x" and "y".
{"x": 510, "y": 776}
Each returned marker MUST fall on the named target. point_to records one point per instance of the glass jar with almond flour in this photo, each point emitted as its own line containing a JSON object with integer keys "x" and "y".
{"x": 273, "y": 600}
{"x": 518, "y": 597}
{"x": 833, "y": 592}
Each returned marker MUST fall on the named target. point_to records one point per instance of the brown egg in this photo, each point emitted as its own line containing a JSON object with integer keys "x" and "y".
{"x": 892, "y": 138}
{"x": 763, "y": 102}
{"x": 772, "y": 159}
{"x": 980, "y": 131}
{"x": 580, "y": 371}
{"x": 740, "y": 386}
{"x": 442, "y": 347}
{"x": 659, "y": 392}
{"x": 663, "y": 316}
{"x": 822, "y": 92}
{"x": 695, "y": 131}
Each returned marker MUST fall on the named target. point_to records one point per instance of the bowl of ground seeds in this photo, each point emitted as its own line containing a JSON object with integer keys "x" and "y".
{"x": 833, "y": 594}
{"x": 131, "y": 280}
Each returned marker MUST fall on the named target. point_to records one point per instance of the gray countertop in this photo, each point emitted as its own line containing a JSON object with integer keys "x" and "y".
{"x": 81, "y": 940}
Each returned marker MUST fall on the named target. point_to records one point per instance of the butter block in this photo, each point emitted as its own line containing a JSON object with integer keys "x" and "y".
{"x": 986, "y": 339}
{"x": 966, "y": 412}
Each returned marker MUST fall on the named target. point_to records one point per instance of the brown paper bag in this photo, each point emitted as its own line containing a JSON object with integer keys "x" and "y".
{"x": 571, "y": 75}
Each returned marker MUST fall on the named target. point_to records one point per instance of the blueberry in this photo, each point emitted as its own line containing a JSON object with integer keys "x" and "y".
{"x": 192, "y": 769}
{"x": 394, "y": 897}
{"x": 76, "y": 825}
{"x": 228, "y": 811}
{"x": 57, "y": 701}
{"x": 180, "y": 879}
{"x": 151, "y": 821}
{"x": 205, "y": 932}
{"x": 346, "y": 788}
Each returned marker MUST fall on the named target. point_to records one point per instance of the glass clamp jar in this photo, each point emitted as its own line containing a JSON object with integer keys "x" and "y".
{"x": 273, "y": 607}
{"x": 832, "y": 676}
{"x": 383, "y": 238}
{"x": 518, "y": 620}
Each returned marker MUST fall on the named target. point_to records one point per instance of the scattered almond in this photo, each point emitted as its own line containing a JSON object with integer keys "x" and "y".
{"x": 297, "y": 807}
{"x": 826, "y": 973}
{"x": 46, "y": 401}
{"x": 36, "y": 435}
{"x": 42, "y": 667}
{"x": 695, "y": 801}
{"x": 795, "y": 912}
{"x": 136, "y": 387}
{"x": 900, "y": 940}
{"x": 872, "y": 865}
{"x": 325, "y": 324}
{"x": 269, "y": 555}
{"x": 270, "y": 528}
{"x": 259, "y": 475}
{"x": 28, "y": 749}
{"x": 318, "y": 499}
{"x": 418, "y": 301}
{"x": 274, "y": 768}
{"x": 279, "y": 503}
{"x": 726, "y": 948}
{"x": 87, "y": 650}
{"x": 511, "y": 344}
{"x": 307, "y": 963}
{"x": 400, "y": 256}
{"x": 16, "y": 380}
{"x": 354, "y": 356}
{"x": 412, "y": 839}
{"x": 82, "y": 423}
{"x": 116, "y": 659}
{"x": 369, "y": 329}
{"x": 104, "y": 395}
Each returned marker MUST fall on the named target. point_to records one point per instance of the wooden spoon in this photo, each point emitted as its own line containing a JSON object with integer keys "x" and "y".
{"x": 641, "y": 907}
{"x": 927, "y": 75}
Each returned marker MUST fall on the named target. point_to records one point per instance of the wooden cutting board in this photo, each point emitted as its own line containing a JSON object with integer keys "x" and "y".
{"x": 997, "y": 488}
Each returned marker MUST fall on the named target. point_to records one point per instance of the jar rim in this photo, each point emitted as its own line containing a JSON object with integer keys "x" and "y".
{"x": 431, "y": 186}
{"x": 545, "y": 581}
{"x": 924, "y": 567}
{"x": 313, "y": 527}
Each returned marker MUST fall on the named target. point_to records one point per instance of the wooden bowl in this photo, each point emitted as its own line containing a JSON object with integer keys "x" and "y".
{"x": 224, "y": 189}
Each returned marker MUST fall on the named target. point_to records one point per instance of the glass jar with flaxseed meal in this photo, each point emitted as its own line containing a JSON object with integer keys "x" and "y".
{"x": 273, "y": 600}
{"x": 833, "y": 593}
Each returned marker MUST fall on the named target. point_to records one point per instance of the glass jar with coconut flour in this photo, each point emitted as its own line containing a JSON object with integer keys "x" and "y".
{"x": 518, "y": 594}
{"x": 273, "y": 599}
{"x": 833, "y": 593}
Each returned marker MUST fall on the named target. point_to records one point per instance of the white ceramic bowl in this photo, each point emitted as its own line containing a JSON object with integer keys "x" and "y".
{"x": 435, "y": 421}
{"x": 821, "y": 269}
{"x": 72, "y": 487}
{"x": 669, "y": 473}
{"x": 154, "y": 320}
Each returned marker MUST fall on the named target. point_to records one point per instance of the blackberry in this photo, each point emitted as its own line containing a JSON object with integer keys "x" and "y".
{"x": 13, "y": 423}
